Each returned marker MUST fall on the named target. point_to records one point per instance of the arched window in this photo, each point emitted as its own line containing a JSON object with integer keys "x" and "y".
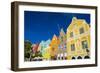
{"x": 81, "y": 30}
{"x": 84, "y": 44}
{"x": 72, "y": 47}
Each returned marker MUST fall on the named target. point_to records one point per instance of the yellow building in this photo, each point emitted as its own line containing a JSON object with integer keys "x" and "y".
{"x": 78, "y": 39}
{"x": 46, "y": 54}
{"x": 54, "y": 47}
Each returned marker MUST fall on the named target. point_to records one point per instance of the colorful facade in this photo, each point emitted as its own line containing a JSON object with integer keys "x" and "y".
{"x": 78, "y": 39}
{"x": 35, "y": 48}
{"x": 74, "y": 44}
{"x": 62, "y": 46}
{"x": 44, "y": 49}
{"x": 54, "y": 47}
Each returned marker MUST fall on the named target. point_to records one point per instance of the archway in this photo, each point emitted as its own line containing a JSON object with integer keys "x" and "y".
{"x": 86, "y": 57}
{"x": 79, "y": 57}
{"x": 62, "y": 58}
{"x": 73, "y": 57}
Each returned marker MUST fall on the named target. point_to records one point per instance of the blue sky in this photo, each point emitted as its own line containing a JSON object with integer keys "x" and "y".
{"x": 40, "y": 26}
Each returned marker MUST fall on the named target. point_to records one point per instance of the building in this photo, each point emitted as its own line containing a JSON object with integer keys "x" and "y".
{"x": 62, "y": 46}
{"x": 35, "y": 53}
{"x": 54, "y": 47}
{"x": 78, "y": 39}
{"x": 35, "y": 48}
{"x": 44, "y": 49}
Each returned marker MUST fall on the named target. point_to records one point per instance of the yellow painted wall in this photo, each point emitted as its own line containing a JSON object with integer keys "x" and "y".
{"x": 54, "y": 46}
{"x": 46, "y": 54}
{"x": 74, "y": 27}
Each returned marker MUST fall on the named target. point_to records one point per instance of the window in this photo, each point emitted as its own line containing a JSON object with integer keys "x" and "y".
{"x": 60, "y": 46}
{"x": 84, "y": 44}
{"x": 53, "y": 48}
{"x": 72, "y": 47}
{"x": 81, "y": 30}
{"x": 65, "y": 46}
{"x": 61, "y": 39}
{"x": 71, "y": 34}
